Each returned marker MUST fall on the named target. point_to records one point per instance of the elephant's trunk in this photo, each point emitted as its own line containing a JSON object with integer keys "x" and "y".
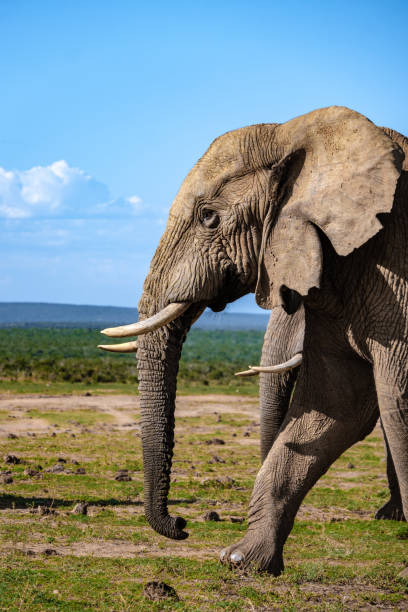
{"x": 158, "y": 356}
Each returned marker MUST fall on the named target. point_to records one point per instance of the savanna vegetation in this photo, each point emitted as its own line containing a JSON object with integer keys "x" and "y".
{"x": 72, "y": 440}
{"x": 58, "y": 357}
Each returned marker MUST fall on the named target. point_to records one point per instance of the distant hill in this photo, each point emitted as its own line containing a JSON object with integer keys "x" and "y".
{"x": 30, "y": 314}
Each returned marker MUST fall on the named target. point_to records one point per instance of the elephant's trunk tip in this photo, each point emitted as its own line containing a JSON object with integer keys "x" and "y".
{"x": 168, "y": 526}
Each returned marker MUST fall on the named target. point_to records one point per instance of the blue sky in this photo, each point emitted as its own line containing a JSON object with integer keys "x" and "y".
{"x": 105, "y": 106}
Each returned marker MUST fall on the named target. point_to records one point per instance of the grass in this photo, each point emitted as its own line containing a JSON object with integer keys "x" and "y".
{"x": 65, "y": 360}
{"x": 337, "y": 557}
{"x": 236, "y": 386}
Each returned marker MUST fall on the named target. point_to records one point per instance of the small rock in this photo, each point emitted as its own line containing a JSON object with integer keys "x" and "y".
{"x": 58, "y": 468}
{"x": 53, "y": 435}
{"x": 80, "y": 471}
{"x": 61, "y": 460}
{"x": 80, "y": 508}
{"x": 6, "y": 479}
{"x": 122, "y": 477}
{"x": 350, "y": 466}
{"x": 226, "y": 480}
{"x": 216, "y": 459}
{"x": 74, "y": 462}
{"x": 50, "y": 552}
{"x": 215, "y": 441}
{"x": 212, "y": 515}
{"x": 12, "y": 459}
{"x": 29, "y": 552}
{"x": 234, "y": 435}
{"x": 247, "y": 434}
{"x": 236, "y": 519}
{"x": 88, "y": 394}
{"x": 30, "y": 472}
{"x": 159, "y": 590}
{"x": 12, "y": 436}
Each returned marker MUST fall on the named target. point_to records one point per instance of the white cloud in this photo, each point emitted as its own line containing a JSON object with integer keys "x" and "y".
{"x": 136, "y": 203}
{"x": 59, "y": 190}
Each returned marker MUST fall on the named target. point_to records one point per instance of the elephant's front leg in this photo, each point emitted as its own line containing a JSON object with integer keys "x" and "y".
{"x": 325, "y": 418}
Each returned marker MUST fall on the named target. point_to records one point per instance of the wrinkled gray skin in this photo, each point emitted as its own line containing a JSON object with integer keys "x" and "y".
{"x": 272, "y": 207}
{"x": 283, "y": 339}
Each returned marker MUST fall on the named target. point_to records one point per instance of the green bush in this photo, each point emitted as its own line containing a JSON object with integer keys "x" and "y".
{"x": 71, "y": 355}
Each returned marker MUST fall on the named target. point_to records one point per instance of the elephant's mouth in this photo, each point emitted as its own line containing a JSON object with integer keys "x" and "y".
{"x": 172, "y": 312}
{"x": 165, "y": 316}
{"x": 234, "y": 290}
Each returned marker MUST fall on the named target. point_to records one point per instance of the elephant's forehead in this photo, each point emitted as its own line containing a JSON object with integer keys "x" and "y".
{"x": 230, "y": 155}
{"x": 218, "y": 165}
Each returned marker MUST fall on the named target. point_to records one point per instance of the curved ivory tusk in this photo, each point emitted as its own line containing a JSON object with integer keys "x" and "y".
{"x": 125, "y": 347}
{"x": 247, "y": 373}
{"x": 164, "y": 316}
{"x": 295, "y": 361}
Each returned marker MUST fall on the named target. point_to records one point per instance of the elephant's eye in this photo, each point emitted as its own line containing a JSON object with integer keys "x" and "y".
{"x": 209, "y": 218}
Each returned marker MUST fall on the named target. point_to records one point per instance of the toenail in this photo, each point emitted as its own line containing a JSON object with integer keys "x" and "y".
{"x": 237, "y": 556}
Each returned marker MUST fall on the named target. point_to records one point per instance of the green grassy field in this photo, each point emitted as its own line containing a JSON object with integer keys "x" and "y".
{"x": 68, "y": 360}
{"x": 337, "y": 557}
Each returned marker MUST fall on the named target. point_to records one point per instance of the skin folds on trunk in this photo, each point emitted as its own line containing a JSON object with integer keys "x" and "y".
{"x": 158, "y": 356}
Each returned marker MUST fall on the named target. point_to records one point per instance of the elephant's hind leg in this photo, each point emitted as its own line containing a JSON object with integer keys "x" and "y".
{"x": 326, "y": 417}
{"x": 392, "y": 509}
{"x": 392, "y": 392}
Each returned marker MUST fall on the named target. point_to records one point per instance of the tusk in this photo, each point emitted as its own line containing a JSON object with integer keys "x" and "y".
{"x": 247, "y": 373}
{"x": 125, "y": 347}
{"x": 164, "y": 316}
{"x": 295, "y": 361}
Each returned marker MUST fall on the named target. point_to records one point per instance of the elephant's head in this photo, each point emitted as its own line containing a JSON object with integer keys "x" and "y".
{"x": 245, "y": 220}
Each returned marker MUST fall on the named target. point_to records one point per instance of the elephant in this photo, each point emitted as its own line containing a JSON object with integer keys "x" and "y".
{"x": 281, "y": 360}
{"x": 313, "y": 213}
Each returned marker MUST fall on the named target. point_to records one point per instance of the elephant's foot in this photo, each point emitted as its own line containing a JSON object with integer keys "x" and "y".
{"x": 391, "y": 511}
{"x": 254, "y": 552}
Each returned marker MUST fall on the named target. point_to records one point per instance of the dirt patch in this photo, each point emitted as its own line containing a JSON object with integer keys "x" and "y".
{"x": 113, "y": 549}
{"x": 327, "y": 515}
{"x": 124, "y": 409}
{"x": 22, "y": 425}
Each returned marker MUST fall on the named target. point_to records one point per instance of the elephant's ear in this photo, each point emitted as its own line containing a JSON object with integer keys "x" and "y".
{"x": 342, "y": 172}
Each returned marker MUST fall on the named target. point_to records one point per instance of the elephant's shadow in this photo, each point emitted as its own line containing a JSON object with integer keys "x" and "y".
{"x": 18, "y": 502}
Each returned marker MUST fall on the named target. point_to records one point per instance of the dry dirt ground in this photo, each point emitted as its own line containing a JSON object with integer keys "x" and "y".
{"x": 121, "y": 407}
